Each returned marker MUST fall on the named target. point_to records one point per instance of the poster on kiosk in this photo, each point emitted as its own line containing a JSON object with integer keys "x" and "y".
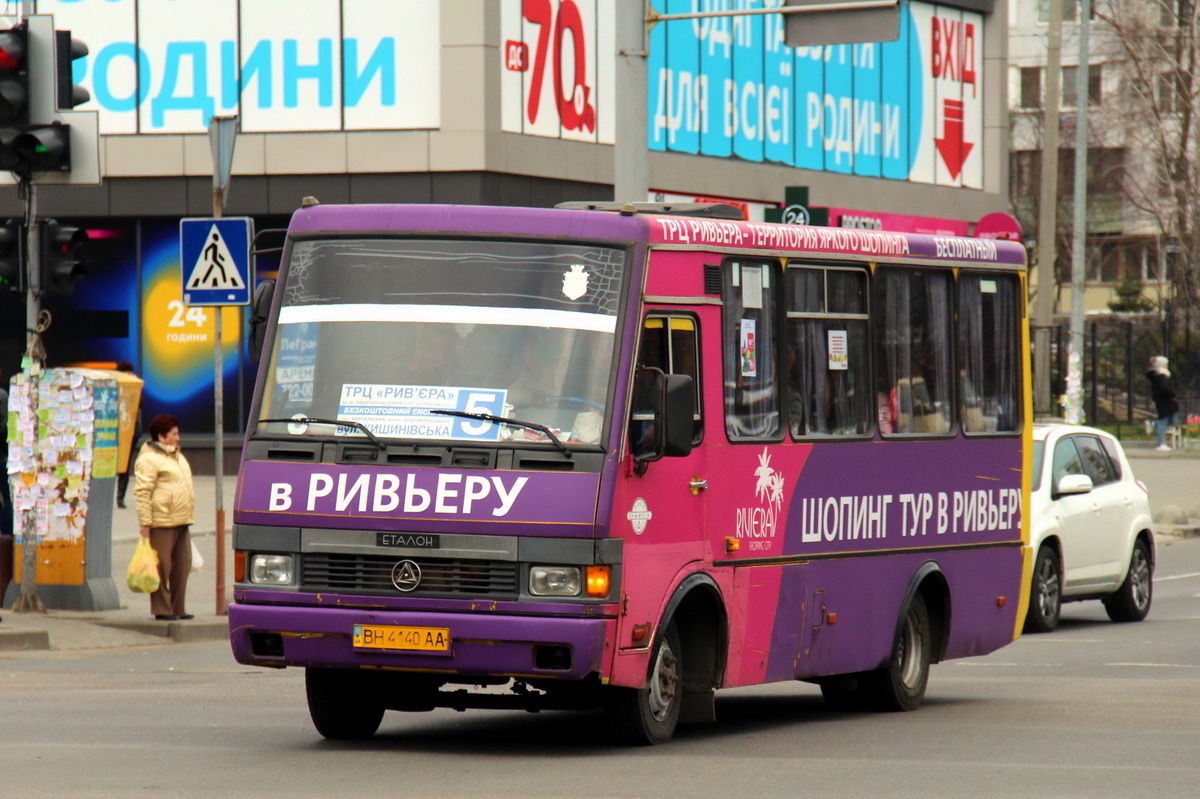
{"x": 63, "y": 457}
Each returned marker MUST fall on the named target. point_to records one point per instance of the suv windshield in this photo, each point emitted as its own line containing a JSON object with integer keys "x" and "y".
{"x": 386, "y": 331}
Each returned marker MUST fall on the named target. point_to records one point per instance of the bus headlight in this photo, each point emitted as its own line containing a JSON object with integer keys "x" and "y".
{"x": 271, "y": 569}
{"x": 555, "y": 581}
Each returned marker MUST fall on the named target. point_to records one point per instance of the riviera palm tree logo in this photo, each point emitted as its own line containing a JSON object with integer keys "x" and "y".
{"x": 760, "y": 523}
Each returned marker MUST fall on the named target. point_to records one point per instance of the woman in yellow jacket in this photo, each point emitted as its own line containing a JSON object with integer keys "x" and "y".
{"x": 166, "y": 501}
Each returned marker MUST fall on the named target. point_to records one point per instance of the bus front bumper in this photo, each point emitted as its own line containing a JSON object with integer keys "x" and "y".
{"x": 478, "y": 645}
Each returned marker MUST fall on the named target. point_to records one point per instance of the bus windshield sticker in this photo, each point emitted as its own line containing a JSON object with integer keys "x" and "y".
{"x": 403, "y": 411}
{"x": 749, "y": 357}
{"x": 839, "y": 358}
{"x": 575, "y": 282}
{"x": 752, "y": 287}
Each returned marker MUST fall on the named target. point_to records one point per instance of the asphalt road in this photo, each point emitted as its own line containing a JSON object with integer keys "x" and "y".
{"x": 1095, "y": 709}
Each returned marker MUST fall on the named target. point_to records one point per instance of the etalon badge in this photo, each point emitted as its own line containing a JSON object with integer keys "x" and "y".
{"x": 406, "y": 575}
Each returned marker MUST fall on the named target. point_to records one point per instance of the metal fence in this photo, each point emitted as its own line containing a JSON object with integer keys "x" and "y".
{"x": 1117, "y": 352}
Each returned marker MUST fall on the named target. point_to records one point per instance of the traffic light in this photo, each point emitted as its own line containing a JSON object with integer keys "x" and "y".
{"x": 12, "y": 266}
{"x": 14, "y": 76}
{"x": 66, "y": 50}
{"x": 42, "y": 148}
{"x": 61, "y": 265}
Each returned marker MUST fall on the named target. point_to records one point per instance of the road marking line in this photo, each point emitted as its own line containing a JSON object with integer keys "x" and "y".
{"x": 1156, "y": 665}
{"x": 1177, "y": 577}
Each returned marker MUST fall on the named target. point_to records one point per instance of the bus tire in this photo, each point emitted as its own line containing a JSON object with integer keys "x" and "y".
{"x": 647, "y": 716}
{"x": 1131, "y": 602}
{"x": 900, "y": 685}
{"x": 340, "y": 708}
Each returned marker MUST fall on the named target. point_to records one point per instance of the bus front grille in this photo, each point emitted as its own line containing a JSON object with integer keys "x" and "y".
{"x": 372, "y": 574}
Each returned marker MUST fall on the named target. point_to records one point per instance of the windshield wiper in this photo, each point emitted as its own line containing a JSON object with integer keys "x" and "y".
{"x": 487, "y": 417}
{"x": 339, "y": 422}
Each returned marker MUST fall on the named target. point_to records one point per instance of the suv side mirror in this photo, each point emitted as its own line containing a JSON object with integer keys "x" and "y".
{"x": 661, "y": 420}
{"x": 260, "y": 311}
{"x": 1074, "y": 484}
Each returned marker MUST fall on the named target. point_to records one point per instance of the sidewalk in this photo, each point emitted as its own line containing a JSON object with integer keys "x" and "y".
{"x": 1170, "y": 476}
{"x": 132, "y": 624}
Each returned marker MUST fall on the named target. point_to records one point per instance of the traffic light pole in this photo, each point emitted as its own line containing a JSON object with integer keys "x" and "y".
{"x": 28, "y": 601}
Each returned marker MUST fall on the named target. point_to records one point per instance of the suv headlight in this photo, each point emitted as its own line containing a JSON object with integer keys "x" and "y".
{"x": 271, "y": 569}
{"x": 555, "y": 581}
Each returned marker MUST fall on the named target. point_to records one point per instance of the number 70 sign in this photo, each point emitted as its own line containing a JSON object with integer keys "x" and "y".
{"x": 558, "y": 68}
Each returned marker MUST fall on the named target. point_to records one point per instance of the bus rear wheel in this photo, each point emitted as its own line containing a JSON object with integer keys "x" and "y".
{"x": 900, "y": 685}
{"x": 340, "y": 707}
{"x": 647, "y": 716}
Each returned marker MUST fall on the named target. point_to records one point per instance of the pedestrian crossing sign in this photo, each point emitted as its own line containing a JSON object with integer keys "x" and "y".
{"x": 215, "y": 256}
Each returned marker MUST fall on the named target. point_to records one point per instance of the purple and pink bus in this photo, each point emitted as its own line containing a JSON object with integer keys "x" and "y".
{"x": 623, "y": 456}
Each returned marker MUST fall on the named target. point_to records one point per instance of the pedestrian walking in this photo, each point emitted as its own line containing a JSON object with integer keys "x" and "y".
{"x": 123, "y": 475}
{"x": 166, "y": 502}
{"x": 1162, "y": 391}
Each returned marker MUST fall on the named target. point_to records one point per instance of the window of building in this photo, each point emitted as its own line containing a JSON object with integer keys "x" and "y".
{"x": 828, "y": 352}
{"x": 989, "y": 375}
{"x": 671, "y": 343}
{"x": 749, "y": 299}
{"x": 910, "y": 310}
{"x": 1070, "y": 10}
{"x": 1026, "y": 172}
{"x": 1031, "y": 87}
{"x": 1105, "y": 169}
{"x": 1070, "y": 86}
{"x": 1175, "y": 13}
{"x": 1173, "y": 91}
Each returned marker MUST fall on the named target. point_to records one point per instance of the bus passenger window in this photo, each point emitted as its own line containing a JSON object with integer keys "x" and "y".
{"x": 988, "y": 360}
{"x": 911, "y": 312}
{"x": 670, "y": 343}
{"x": 828, "y": 375}
{"x": 748, "y": 322}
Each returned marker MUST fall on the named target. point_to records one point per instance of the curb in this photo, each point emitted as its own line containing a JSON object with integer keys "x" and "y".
{"x": 1191, "y": 530}
{"x": 23, "y": 640}
{"x": 180, "y": 632}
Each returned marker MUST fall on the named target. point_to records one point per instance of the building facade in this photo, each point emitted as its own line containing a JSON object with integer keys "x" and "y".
{"x": 497, "y": 102}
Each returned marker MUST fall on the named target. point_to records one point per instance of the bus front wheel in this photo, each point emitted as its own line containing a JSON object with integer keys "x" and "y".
{"x": 648, "y": 715}
{"x": 340, "y": 707}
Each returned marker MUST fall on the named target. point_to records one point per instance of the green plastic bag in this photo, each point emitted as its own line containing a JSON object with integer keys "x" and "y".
{"x": 143, "y": 568}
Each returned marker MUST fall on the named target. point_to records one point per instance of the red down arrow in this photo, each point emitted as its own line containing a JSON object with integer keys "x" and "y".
{"x": 952, "y": 147}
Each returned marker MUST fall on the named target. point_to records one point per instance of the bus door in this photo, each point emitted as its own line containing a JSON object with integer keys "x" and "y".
{"x": 663, "y": 506}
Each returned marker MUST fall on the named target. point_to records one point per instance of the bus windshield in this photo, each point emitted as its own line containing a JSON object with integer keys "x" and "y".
{"x": 385, "y": 332}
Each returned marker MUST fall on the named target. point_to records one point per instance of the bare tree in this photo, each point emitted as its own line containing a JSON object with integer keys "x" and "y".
{"x": 1158, "y": 45}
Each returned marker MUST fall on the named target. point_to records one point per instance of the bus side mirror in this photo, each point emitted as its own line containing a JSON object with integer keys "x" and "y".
{"x": 260, "y": 311}
{"x": 679, "y": 415}
{"x": 661, "y": 422}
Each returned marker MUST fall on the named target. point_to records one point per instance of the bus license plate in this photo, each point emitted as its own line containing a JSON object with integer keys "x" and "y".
{"x": 422, "y": 639}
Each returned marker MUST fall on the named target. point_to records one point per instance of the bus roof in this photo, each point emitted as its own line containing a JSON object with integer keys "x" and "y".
{"x": 646, "y": 226}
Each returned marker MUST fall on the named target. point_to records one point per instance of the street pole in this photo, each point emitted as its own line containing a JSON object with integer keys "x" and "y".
{"x": 28, "y": 601}
{"x": 1079, "y": 239}
{"x": 631, "y": 170}
{"x": 219, "y": 439}
{"x": 222, "y": 134}
{"x": 1047, "y": 215}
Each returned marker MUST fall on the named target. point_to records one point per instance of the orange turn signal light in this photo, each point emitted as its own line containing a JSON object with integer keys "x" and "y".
{"x": 732, "y": 544}
{"x": 1001, "y": 601}
{"x": 597, "y": 580}
{"x": 239, "y": 567}
{"x": 831, "y": 618}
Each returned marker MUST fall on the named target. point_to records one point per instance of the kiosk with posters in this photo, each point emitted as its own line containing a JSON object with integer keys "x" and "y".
{"x": 62, "y": 462}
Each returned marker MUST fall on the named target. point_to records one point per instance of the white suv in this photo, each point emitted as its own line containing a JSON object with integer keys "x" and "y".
{"x": 1091, "y": 527}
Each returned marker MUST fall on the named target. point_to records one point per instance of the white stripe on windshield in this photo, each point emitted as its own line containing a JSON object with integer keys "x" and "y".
{"x": 448, "y": 314}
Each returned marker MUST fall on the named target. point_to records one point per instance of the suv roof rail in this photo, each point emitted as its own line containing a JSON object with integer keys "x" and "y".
{"x": 710, "y": 210}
